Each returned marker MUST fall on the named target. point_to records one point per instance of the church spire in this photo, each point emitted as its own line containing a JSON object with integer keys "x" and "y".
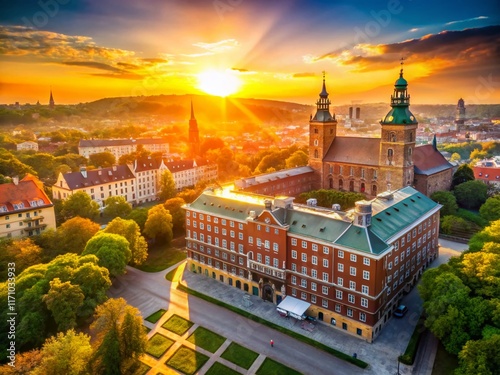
{"x": 323, "y": 93}
{"x": 323, "y": 105}
{"x": 194, "y": 135}
{"x": 51, "y": 100}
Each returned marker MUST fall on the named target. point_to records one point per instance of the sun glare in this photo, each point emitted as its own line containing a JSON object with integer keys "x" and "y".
{"x": 218, "y": 82}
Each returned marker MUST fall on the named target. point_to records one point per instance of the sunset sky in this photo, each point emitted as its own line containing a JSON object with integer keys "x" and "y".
{"x": 86, "y": 50}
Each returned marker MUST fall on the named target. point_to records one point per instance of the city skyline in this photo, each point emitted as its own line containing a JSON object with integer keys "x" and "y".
{"x": 88, "y": 50}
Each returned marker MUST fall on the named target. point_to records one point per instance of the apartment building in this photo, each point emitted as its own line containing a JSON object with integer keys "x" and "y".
{"x": 352, "y": 268}
{"x": 25, "y": 209}
{"x": 120, "y": 147}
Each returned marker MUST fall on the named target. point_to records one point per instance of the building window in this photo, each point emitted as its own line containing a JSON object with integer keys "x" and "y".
{"x": 314, "y": 260}
{"x": 324, "y": 303}
{"x": 304, "y": 257}
{"x": 294, "y": 267}
{"x": 275, "y": 262}
{"x": 314, "y": 274}
{"x": 313, "y": 299}
{"x": 341, "y": 254}
{"x": 351, "y": 298}
{"x": 303, "y": 295}
{"x": 352, "y": 285}
{"x": 303, "y": 283}
{"x": 294, "y": 280}
{"x": 325, "y": 276}
{"x": 366, "y": 275}
{"x": 294, "y": 254}
{"x": 338, "y": 307}
{"x": 294, "y": 241}
{"x": 364, "y": 289}
{"x": 353, "y": 258}
{"x": 366, "y": 261}
{"x": 364, "y": 302}
{"x": 349, "y": 313}
{"x": 325, "y": 263}
{"x": 304, "y": 270}
{"x": 352, "y": 271}
{"x": 340, "y": 281}
{"x": 326, "y": 250}
{"x": 340, "y": 267}
{"x": 304, "y": 244}
{"x": 362, "y": 318}
{"x": 338, "y": 294}
{"x": 315, "y": 247}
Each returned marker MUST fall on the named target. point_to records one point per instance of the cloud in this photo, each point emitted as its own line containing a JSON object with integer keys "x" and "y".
{"x": 94, "y": 65}
{"x": 241, "y": 70}
{"x": 466, "y": 20}
{"x": 414, "y": 30}
{"x": 473, "y": 48}
{"x": 217, "y": 47}
{"x": 304, "y": 75}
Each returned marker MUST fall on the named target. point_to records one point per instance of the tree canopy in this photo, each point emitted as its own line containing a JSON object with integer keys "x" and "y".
{"x": 167, "y": 186}
{"x": 174, "y": 207}
{"x": 73, "y": 235}
{"x": 463, "y": 174}
{"x": 116, "y": 206}
{"x": 131, "y": 231}
{"x": 448, "y": 200}
{"x": 102, "y": 159}
{"x": 159, "y": 224}
{"x": 112, "y": 250}
{"x": 471, "y": 194}
{"x": 490, "y": 210}
{"x": 326, "y": 198}
{"x": 79, "y": 204}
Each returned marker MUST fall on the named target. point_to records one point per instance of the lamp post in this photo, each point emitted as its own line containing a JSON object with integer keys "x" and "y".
{"x": 398, "y": 365}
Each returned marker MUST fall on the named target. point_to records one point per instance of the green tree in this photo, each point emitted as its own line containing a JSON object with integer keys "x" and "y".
{"x": 93, "y": 281}
{"x": 24, "y": 252}
{"x": 80, "y": 204}
{"x": 490, "y": 210}
{"x": 120, "y": 337}
{"x": 489, "y": 234}
{"x": 67, "y": 353}
{"x": 73, "y": 235}
{"x": 174, "y": 207}
{"x": 463, "y": 174}
{"x": 159, "y": 224}
{"x": 478, "y": 154}
{"x": 455, "y": 157}
{"x": 117, "y": 206}
{"x": 480, "y": 357}
{"x": 102, "y": 159}
{"x": 131, "y": 231}
{"x": 42, "y": 163}
{"x": 63, "y": 300}
{"x": 11, "y": 166}
{"x": 471, "y": 194}
{"x": 448, "y": 201}
{"x": 139, "y": 215}
{"x": 167, "y": 186}
{"x": 112, "y": 250}
{"x": 297, "y": 159}
{"x": 455, "y": 225}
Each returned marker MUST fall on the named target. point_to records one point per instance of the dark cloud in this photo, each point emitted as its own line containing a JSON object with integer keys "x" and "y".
{"x": 304, "y": 75}
{"x": 241, "y": 70}
{"x": 94, "y": 65}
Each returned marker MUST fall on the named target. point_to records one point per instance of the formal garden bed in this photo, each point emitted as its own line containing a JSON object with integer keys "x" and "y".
{"x": 206, "y": 339}
{"x": 239, "y": 355}
{"x": 158, "y": 345}
{"x": 186, "y": 360}
{"x": 177, "y": 325}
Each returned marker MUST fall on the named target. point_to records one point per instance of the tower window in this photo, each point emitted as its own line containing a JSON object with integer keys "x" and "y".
{"x": 316, "y": 154}
{"x": 341, "y": 184}
{"x": 411, "y": 136}
{"x": 351, "y": 185}
{"x": 315, "y": 130}
{"x": 330, "y": 183}
{"x": 392, "y": 137}
{"x": 316, "y": 142}
{"x": 390, "y": 154}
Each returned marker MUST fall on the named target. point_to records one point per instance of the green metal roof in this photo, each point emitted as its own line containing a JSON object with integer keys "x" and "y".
{"x": 399, "y": 116}
{"x": 395, "y": 217}
{"x": 362, "y": 239}
{"x": 315, "y": 225}
{"x": 222, "y": 206}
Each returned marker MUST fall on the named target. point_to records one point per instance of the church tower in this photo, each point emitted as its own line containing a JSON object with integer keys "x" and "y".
{"x": 322, "y": 132}
{"x": 460, "y": 116}
{"x": 194, "y": 135}
{"x": 397, "y": 142}
{"x": 51, "y": 100}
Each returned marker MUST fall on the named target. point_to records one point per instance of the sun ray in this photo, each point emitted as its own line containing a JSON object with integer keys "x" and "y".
{"x": 219, "y": 82}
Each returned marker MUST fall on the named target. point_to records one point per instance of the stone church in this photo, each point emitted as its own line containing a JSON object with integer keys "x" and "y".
{"x": 373, "y": 165}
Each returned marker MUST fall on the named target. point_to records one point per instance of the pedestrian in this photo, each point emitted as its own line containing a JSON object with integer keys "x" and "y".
{"x": 272, "y": 343}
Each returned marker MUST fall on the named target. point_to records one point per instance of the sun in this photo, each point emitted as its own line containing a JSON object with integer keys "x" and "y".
{"x": 218, "y": 82}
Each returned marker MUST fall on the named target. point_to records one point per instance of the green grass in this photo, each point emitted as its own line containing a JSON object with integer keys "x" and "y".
{"x": 219, "y": 369}
{"x": 206, "y": 339}
{"x": 154, "y": 317}
{"x": 411, "y": 350}
{"x": 147, "y": 329}
{"x": 239, "y": 355}
{"x": 187, "y": 360}
{"x": 177, "y": 324}
{"x": 170, "y": 276}
{"x": 445, "y": 363}
{"x": 160, "y": 257}
{"x": 142, "y": 369}
{"x": 307, "y": 340}
{"x": 270, "y": 367}
{"x": 158, "y": 345}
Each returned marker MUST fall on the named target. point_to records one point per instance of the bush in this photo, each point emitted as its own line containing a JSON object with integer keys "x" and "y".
{"x": 411, "y": 350}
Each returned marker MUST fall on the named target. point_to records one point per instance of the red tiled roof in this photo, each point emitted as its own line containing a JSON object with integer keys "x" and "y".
{"x": 353, "y": 150}
{"x": 26, "y": 191}
{"x": 491, "y": 174}
{"x": 428, "y": 160}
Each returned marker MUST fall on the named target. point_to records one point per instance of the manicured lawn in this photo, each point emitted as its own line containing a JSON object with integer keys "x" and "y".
{"x": 445, "y": 363}
{"x": 142, "y": 369}
{"x": 158, "y": 345}
{"x": 240, "y": 355}
{"x": 206, "y": 339}
{"x": 177, "y": 324}
{"x": 219, "y": 369}
{"x": 270, "y": 367}
{"x": 161, "y": 257}
{"x": 187, "y": 360}
{"x": 154, "y": 317}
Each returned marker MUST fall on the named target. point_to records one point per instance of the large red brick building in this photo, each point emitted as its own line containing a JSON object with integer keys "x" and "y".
{"x": 351, "y": 267}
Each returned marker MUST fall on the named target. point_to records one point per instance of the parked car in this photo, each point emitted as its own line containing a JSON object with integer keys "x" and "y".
{"x": 401, "y": 310}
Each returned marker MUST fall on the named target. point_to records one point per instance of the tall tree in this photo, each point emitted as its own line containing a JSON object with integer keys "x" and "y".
{"x": 490, "y": 210}
{"x": 80, "y": 204}
{"x": 119, "y": 335}
{"x": 73, "y": 235}
{"x": 67, "y": 353}
{"x": 448, "y": 201}
{"x": 159, "y": 224}
{"x": 102, "y": 159}
{"x": 463, "y": 174}
{"x": 131, "y": 231}
{"x": 116, "y": 206}
{"x": 24, "y": 252}
{"x": 298, "y": 159}
{"x": 112, "y": 250}
{"x": 174, "y": 207}
{"x": 63, "y": 300}
{"x": 167, "y": 186}
{"x": 471, "y": 194}
{"x": 139, "y": 215}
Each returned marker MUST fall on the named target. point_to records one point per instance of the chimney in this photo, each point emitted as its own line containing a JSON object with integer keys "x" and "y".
{"x": 358, "y": 113}
{"x": 268, "y": 204}
{"x": 363, "y": 214}
{"x": 83, "y": 171}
